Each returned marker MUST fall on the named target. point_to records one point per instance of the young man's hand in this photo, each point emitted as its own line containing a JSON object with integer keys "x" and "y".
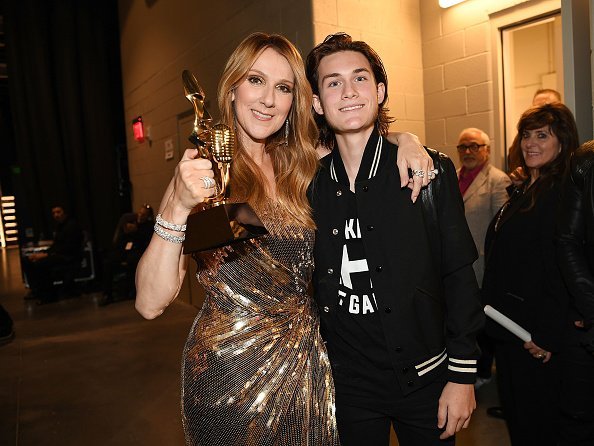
{"x": 456, "y": 405}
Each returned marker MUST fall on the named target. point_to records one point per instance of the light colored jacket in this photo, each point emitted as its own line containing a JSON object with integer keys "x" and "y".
{"x": 483, "y": 198}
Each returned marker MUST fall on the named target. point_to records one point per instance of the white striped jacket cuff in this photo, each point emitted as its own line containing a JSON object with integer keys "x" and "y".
{"x": 462, "y": 365}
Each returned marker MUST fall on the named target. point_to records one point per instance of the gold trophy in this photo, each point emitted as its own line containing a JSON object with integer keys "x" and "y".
{"x": 221, "y": 222}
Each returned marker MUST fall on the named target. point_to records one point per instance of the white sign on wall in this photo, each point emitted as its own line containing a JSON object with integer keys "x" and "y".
{"x": 169, "y": 149}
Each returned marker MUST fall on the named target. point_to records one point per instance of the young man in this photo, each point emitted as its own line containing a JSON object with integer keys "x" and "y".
{"x": 398, "y": 298}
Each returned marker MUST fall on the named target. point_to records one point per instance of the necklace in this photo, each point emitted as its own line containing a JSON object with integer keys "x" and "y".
{"x": 521, "y": 190}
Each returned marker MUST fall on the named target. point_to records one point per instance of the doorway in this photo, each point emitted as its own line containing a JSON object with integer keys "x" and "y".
{"x": 532, "y": 59}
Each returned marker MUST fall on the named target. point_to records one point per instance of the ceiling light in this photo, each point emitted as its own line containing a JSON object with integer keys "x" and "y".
{"x": 448, "y": 3}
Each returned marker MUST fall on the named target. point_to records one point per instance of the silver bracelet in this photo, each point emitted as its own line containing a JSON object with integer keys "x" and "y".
{"x": 167, "y": 236}
{"x": 167, "y": 225}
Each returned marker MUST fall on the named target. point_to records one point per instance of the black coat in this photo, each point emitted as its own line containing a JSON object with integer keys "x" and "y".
{"x": 522, "y": 277}
{"x": 420, "y": 259}
{"x": 576, "y": 241}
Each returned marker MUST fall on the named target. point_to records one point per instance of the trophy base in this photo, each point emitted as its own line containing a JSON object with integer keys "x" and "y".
{"x": 222, "y": 225}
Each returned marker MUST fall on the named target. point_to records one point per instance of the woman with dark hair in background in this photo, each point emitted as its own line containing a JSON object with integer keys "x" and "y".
{"x": 523, "y": 281}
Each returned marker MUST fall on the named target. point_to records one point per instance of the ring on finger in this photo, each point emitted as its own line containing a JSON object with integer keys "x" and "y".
{"x": 418, "y": 173}
{"x": 541, "y": 355}
{"x": 432, "y": 173}
{"x": 209, "y": 183}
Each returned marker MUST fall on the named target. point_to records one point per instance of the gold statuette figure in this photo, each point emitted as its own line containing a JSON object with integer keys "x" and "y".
{"x": 222, "y": 222}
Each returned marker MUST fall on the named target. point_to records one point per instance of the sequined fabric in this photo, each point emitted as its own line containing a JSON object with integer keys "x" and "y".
{"x": 255, "y": 370}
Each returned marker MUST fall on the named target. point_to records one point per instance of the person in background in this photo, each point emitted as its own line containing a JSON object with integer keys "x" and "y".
{"x": 575, "y": 249}
{"x": 541, "y": 97}
{"x": 523, "y": 281}
{"x": 483, "y": 188}
{"x": 132, "y": 236}
{"x": 61, "y": 259}
{"x": 546, "y": 96}
{"x": 484, "y": 191}
{"x": 390, "y": 275}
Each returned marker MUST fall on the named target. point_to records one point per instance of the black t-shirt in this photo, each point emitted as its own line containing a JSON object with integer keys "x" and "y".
{"x": 356, "y": 342}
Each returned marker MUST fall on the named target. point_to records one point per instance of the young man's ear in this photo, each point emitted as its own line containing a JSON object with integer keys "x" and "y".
{"x": 317, "y": 105}
{"x": 381, "y": 92}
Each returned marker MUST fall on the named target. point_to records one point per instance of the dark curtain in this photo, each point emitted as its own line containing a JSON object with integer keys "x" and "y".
{"x": 66, "y": 100}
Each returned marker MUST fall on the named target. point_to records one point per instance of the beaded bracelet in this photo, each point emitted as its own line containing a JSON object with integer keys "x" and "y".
{"x": 171, "y": 226}
{"x": 167, "y": 236}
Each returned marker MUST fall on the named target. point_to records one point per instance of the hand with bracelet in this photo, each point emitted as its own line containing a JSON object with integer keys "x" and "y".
{"x": 192, "y": 183}
{"x": 161, "y": 269}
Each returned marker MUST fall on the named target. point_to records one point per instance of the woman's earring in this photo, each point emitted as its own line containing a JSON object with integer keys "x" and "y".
{"x": 286, "y": 141}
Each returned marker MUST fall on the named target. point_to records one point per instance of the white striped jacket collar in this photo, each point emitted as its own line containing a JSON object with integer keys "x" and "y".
{"x": 370, "y": 163}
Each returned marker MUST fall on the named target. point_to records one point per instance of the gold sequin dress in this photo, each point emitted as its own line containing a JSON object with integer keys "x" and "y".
{"x": 255, "y": 370}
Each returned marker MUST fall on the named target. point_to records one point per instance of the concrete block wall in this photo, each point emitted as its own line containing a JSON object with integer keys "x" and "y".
{"x": 392, "y": 28}
{"x": 459, "y": 50}
{"x": 457, "y": 71}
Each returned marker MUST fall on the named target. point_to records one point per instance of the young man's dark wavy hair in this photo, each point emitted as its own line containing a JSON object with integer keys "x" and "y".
{"x": 335, "y": 43}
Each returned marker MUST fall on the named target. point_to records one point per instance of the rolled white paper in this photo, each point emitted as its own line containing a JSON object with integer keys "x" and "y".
{"x": 507, "y": 323}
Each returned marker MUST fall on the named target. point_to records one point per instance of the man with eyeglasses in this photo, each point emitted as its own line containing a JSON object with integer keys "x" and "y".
{"x": 484, "y": 190}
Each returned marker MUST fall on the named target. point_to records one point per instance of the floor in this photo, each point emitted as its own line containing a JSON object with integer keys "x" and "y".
{"x": 80, "y": 374}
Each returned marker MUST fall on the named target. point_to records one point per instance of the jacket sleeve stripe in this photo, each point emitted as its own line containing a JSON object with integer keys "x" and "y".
{"x": 435, "y": 358}
{"x": 463, "y": 361}
{"x": 460, "y": 369}
{"x": 430, "y": 364}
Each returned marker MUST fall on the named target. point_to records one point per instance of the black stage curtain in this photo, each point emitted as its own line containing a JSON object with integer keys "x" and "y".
{"x": 66, "y": 99}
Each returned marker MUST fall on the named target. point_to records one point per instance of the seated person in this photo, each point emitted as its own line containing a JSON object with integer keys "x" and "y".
{"x": 61, "y": 259}
{"x": 132, "y": 236}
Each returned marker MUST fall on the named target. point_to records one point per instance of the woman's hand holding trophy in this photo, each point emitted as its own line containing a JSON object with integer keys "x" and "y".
{"x": 203, "y": 175}
{"x": 190, "y": 187}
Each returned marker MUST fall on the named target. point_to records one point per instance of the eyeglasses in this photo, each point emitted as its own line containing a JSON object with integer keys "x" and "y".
{"x": 474, "y": 147}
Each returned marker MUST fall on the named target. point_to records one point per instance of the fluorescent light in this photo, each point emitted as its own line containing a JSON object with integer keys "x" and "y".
{"x": 448, "y": 3}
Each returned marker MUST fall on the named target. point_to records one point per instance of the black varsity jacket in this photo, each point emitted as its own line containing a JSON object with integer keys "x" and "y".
{"x": 420, "y": 259}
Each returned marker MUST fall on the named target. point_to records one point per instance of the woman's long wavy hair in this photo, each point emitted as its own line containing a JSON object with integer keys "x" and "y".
{"x": 562, "y": 124}
{"x": 294, "y": 163}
